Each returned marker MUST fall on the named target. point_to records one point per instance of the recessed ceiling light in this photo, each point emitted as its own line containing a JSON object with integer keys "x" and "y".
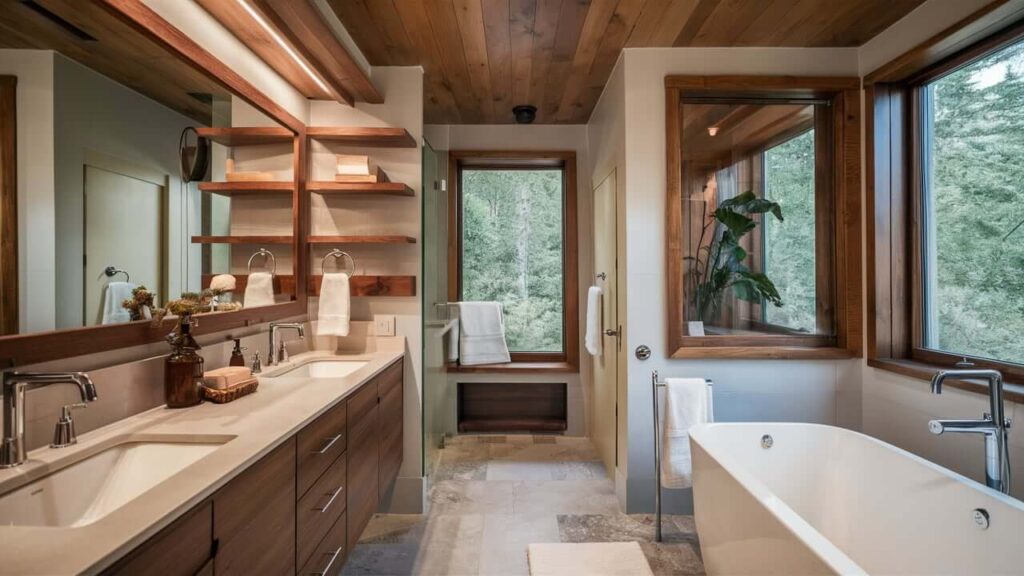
{"x": 284, "y": 45}
{"x": 712, "y": 130}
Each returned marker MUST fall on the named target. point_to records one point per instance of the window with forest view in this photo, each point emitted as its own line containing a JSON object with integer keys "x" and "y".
{"x": 512, "y": 226}
{"x": 972, "y": 135}
{"x": 789, "y": 245}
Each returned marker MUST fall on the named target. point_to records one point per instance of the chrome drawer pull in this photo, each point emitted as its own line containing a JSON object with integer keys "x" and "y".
{"x": 330, "y": 500}
{"x": 330, "y": 442}
{"x": 334, "y": 556}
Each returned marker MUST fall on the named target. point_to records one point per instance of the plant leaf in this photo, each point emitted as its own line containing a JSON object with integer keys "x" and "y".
{"x": 736, "y": 223}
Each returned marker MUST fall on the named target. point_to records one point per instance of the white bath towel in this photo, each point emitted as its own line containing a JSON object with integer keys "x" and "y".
{"x": 687, "y": 403}
{"x": 593, "y": 337}
{"x": 259, "y": 290}
{"x": 482, "y": 334}
{"x": 335, "y": 307}
{"x": 113, "y": 296}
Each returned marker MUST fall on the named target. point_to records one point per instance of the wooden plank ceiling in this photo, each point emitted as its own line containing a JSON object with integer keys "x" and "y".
{"x": 85, "y": 32}
{"x": 482, "y": 57}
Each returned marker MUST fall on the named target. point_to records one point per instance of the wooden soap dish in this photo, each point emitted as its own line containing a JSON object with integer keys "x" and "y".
{"x": 233, "y": 393}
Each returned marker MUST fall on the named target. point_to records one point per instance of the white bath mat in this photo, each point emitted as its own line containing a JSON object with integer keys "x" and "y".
{"x": 588, "y": 559}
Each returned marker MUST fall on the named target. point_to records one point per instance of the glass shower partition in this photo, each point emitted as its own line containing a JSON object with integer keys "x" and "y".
{"x": 438, "y": 396}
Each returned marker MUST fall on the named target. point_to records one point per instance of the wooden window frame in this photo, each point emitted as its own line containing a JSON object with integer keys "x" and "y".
{"x": 894, "y": 200}
{"x": 568, "y": 359}
{"x": 844, "y": 127}
{"x": 8, "y": 205}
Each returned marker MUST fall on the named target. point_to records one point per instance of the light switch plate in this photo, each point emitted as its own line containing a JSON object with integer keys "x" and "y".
{"x": 384, "y": 324}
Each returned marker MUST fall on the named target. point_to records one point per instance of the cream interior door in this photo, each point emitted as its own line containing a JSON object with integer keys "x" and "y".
{"x": 605, "y": 395}
{"x": 124, "y": 227}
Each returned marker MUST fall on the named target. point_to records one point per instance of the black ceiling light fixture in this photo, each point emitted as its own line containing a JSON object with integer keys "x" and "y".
{"x": 524, "y": 113}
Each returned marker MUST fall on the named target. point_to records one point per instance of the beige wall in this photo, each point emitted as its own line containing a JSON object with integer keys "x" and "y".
{"x": 808, "y": 391}
{"x": 541, "y": 137}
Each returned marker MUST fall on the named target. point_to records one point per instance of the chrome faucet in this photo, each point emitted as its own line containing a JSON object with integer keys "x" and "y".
{"x": 15, "y": 385}
{"x": 993, "y": 425}
{"x": 275, "y": 356}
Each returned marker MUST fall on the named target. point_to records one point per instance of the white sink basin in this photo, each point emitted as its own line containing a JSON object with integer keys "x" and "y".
{"x": 324, "y": 369}
{"x": 90, "y": 489}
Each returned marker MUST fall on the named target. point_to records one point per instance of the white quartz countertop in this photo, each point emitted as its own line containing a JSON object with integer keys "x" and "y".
{"x": 258, "y": 423}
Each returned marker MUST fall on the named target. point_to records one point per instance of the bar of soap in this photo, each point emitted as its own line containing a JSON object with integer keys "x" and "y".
{"x": 226, "y": 377}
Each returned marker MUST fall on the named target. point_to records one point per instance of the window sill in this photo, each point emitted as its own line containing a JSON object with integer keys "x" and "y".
{"x": 763, "y": 352}
{"x": 515, "y": 368}
{"x": 1012, "y": 392}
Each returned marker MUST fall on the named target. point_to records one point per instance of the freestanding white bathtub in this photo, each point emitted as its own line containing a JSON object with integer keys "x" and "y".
{"x": 825, "y": 500}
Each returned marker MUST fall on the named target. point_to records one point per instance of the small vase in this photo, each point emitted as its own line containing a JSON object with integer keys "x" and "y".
{"x": 695, "y": 328}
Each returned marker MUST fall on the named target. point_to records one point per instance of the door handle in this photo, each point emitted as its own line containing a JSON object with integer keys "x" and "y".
{"x": 610, "y": 332}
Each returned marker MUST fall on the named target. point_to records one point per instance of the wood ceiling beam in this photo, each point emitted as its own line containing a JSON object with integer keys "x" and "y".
{"x": 303, "y": 25}
{"x": 241, "y": 24}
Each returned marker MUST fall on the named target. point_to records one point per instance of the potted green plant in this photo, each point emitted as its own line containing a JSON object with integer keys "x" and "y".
{"x": 719, "y": 265}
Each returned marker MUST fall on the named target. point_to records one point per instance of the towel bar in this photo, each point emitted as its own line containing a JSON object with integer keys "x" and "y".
{"x": 655, "y": 384}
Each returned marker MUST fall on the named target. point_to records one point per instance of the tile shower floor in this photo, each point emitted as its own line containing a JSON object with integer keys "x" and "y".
{"x": 494, "y": 495}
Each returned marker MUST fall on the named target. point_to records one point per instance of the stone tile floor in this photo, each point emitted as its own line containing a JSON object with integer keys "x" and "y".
{"x": 494, "y": 495}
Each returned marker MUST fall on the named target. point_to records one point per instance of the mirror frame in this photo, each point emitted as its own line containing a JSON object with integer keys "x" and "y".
{"x": 844, "y": 94}
{"x": 25, "y": 349}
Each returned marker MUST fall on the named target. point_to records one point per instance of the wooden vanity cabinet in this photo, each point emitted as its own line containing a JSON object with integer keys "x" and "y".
{"x": 299, "y": 509}
{"x": 254, "y": 517}
{"x": 185, "y": 548}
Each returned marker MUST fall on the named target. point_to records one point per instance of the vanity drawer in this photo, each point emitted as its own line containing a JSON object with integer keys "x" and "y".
{"x": 319, "y": 445}
{"x": 329, "y": 557}
{"x": 320, "y": 508}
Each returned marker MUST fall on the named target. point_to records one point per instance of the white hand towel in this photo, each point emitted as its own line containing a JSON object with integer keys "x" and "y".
{"x": 113, "y": 296}
{"x": 687, "y": 403}
{"x": 593, "y": 337}
{"x": 259, "y": 290}
{"x": 335, "y": 305}
{"x": 482, "y": 334}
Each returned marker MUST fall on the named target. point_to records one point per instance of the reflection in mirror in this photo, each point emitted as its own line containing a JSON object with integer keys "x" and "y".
{"x": 757, "y": 210}
{"x": 108, "y": 230}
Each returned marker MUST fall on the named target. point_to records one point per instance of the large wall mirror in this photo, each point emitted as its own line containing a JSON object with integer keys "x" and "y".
{"x": 109, "y": 229}
{"x": 761, "y": 179}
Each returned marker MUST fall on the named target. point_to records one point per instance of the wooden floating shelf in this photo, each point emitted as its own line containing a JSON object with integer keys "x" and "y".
{"x": 361, "y": 188}
{"x": 372, "y": 285}
{"x": 242, "y": 239}
{"x": 248, "y": 188}
{"x": 247, "y": 136}
{"x": 386, "y": 239}
{"x": 371, "y": 137}
{"x": 358, "y": 285}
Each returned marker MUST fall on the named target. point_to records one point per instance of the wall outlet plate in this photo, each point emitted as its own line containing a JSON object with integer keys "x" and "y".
{"x": 384, "y": 324}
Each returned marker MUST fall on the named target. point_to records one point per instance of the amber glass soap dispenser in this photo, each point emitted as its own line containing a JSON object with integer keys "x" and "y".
{"x": 183, "y": 370}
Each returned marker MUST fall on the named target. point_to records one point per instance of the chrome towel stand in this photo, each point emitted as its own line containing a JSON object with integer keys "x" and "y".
{"x": 336, "y": 253}
{"x": 268, "y": 256}
{"x": 655, "y": 384}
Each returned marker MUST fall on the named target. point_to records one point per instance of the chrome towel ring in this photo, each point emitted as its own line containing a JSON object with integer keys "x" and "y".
{"x": 268, "y": 257}
{"x": 111, "y": 271}
{"x": 338, "y": 254}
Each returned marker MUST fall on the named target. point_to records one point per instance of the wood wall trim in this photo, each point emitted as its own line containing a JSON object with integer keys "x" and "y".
{"x": 57, "y": 344}
{"x": 524, "y": 158}
{"x": 797, "y": 85}
{"x": 844, "y": 135}
{"x": 144, "y": 19}
{"x": 984, "y": 22}
{"x": 8, "y": 205}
